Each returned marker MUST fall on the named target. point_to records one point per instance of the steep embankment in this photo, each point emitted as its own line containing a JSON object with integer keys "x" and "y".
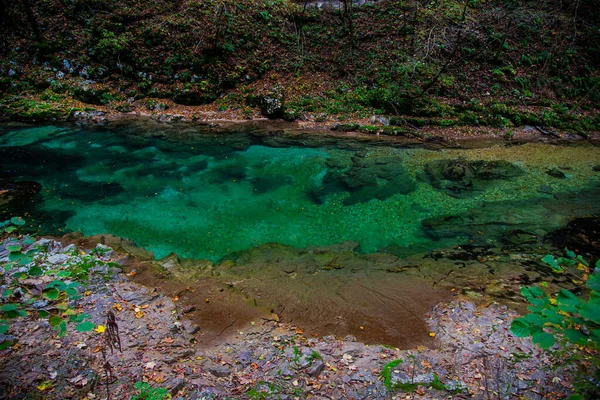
{"x": 496, "y": 63}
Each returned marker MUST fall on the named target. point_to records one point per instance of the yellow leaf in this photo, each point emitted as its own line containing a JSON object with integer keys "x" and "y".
{"x": 44, "y": 385}
{"x": 117, "y": 307}
{"x": 139, "y": 314}
{"x": 432, "y": 334}
{"x": 100, "y": 329}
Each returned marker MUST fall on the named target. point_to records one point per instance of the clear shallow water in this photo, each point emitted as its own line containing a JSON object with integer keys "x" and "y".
{"x": 210, "y": 195}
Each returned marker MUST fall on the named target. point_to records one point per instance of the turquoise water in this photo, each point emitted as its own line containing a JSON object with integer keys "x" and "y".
{"x": 208, "y": 195}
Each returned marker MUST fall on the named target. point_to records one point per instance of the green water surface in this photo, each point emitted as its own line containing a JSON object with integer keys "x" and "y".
{"x": 212, "y": 195}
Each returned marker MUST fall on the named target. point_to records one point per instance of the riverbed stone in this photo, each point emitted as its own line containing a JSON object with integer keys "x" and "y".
{"x": 463, "y": 178}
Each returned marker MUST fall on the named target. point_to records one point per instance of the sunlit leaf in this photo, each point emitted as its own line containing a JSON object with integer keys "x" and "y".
{"x": 543, "y": 339}
{"x": 13, "y": 248}
{"x": 567, "y": 298}
{"x": 52, "y": 293}
{"x": 520, "y": 328}
{"x": 85, "y": 326}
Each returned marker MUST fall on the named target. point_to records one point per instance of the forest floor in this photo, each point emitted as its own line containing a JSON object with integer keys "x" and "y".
{"x": 473, "y": 354}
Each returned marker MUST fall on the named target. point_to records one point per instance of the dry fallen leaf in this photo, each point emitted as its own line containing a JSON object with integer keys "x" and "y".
{"x": 117, "y": 307}
{"x": 168, "y": 340}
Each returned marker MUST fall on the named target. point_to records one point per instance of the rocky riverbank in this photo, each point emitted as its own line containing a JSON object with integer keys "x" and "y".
{"x": 471, "y": 353}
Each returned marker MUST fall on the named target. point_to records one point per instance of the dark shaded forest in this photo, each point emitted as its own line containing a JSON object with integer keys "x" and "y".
{"x": 499, "y": 63}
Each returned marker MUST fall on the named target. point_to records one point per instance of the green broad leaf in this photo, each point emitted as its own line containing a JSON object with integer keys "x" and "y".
{"x": 74, "y": 285}
{"x": 520, "y": 328}
{"x": 581, "y": 260}
{"x": 76, "y": 318}
{"x": 10, "y": 229}
{"x": 4, "y": 326}
{"x": 568, "y": 308}
{"x": 549, "y": 260}
{"x": 595, "y": 335}
{"x": 54, "y": 320}
{"x": 7, "y": 293}
{"x": 62, "y": 329}
{"x": 576, "y": 397}
{"x": 594, "y": 297}
{"x": 552, "y": 317}
{"x": 543, "y": 339}
{"x": 567, "y": 298}
{"x": 591, "y": 312}
{"x": 534, "y": 320}
{"x": 63, "y": 274}
{"x": 72, "y": 293}
{"x": 27, "y": 240}
{"x": 62, "y": 306}
{"x": 15, "y": 314}
{"x": 569, "y": 253}
{"x": 35, "y": 271}
{"x": 593, "y": 282}
{"x": 85, "y": 326}
{"x": 536, "y": 291}
{"x": 14, "y": 248}
{"x": 537, "y": 301}
{"x": 15, "y": 256}
{"x": 566, "y": 262}
{"x": 4, "y": 223}
{"x": 8, "y": 307}
{"x": 598, "y": 263}
{"x": 43, "y": 313}
{"x": 17, "y": 221}
{"x": 525, "y": 292}
{"x": 575, "y": 336}
{"x": 25, "y": 260}
{"x": 60, "y": 285}
{"x": 5, "y": 344}
{"x": 52, "y": 293}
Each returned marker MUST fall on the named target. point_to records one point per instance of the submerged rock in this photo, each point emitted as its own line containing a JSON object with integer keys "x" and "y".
{"x": 461, "y": 178}
{"x": 557, "y": 173}
{"x": 365, "y": 179}
{"x": 582, "y": 234}
{"x": 17, "y": 197}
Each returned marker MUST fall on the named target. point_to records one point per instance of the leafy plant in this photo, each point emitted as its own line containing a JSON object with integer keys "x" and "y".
{"x": 572, "y": 317}
{"x": 147, "y": 392}
{"x": 21, "y": 298}
{"x": 572, "y": 320}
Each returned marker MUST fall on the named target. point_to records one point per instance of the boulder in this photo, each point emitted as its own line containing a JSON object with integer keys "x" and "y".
{"x": 462, "y": 178}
